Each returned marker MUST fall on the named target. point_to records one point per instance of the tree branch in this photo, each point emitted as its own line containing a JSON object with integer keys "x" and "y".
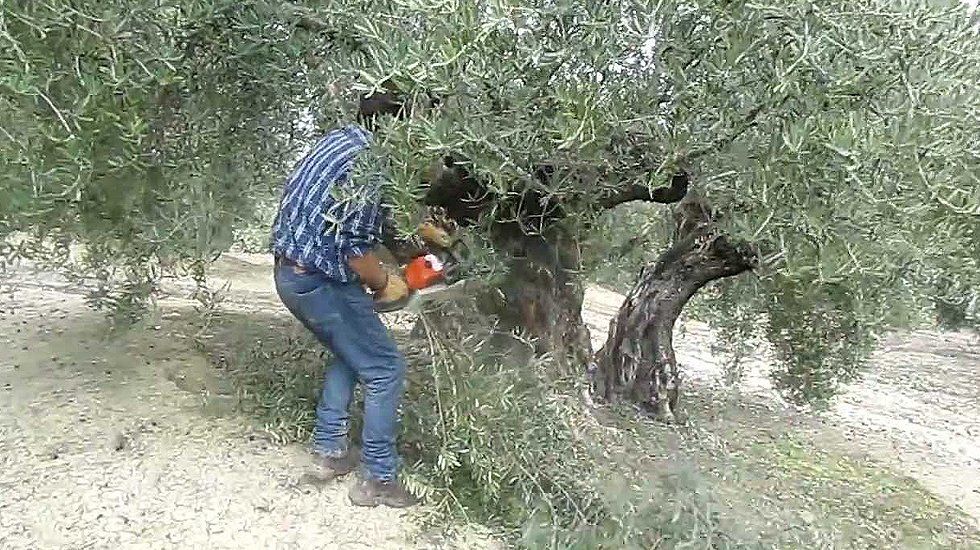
{"x": 308, "y": 21}
{"x": 664, "y": 195}
{"x": 679, "y": 182}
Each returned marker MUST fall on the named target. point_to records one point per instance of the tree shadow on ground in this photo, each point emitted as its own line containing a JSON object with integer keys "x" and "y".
{"x": 758, "y": 465}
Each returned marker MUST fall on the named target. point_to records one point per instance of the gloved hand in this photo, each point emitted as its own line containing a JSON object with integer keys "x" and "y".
{"x": 393, "y": 296}
{"x": 434, "y": 235}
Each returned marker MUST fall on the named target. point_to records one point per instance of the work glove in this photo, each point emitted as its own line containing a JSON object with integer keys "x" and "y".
{"x": 393, "y": 296}
{"x": 446, "y": 247}
{"x": 434, "y": 235}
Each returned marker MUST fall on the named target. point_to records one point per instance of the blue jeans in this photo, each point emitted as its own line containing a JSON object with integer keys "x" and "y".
{"x": 342, "y": 317}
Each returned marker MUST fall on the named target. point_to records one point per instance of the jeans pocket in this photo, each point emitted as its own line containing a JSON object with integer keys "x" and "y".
{"x": 364, "y": 325}
{"x": 288, "y": 281}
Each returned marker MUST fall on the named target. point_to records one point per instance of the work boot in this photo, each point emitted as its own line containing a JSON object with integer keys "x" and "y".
{"x": 372, "y": 492}
{"x": 329, "y": 468}
{"x": 332, "y": 467}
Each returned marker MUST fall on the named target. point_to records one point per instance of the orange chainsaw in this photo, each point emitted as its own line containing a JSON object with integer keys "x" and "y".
{"x": 432, "y": 274}
{"x": 430, "y": 277}
{"x": 425, "y": 272}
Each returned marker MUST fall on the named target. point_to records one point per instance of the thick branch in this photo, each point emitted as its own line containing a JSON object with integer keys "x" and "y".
{"x": 679, "y": 182}
{"x": 664, "y": 195}
{"x": 308, "y": 21}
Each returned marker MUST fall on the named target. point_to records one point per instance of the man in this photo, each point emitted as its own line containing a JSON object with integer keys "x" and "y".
{"x": 330, "y": 219}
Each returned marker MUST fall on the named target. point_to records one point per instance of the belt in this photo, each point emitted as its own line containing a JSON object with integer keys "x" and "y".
{"x": 284, "y": 261}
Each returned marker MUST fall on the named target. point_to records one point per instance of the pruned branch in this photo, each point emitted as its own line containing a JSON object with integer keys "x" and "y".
{"x": 664, "y": 195}
{"x": 308, "y": 21}
{"x": 679, "y": 182}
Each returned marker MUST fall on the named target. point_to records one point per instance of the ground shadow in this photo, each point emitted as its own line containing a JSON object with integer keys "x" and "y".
{"x": 762, "y": 466}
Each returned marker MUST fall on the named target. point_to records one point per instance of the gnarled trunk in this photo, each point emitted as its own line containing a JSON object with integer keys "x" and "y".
{"x": 543, "y": 297}
{"x": 637, "y": 361}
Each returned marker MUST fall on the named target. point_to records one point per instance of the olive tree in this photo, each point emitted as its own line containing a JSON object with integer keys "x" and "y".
{"x": 831, "y": 148}
{"x": 149, "y": 131}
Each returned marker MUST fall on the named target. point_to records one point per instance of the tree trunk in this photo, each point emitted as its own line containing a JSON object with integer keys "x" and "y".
{"x": 540, "y": 296}
{"x": 637, "y": 361}
{"x": 543, "y": 297}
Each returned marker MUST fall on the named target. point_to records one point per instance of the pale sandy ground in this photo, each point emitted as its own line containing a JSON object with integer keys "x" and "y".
{"x": 917, "y": 409}
{"x": 98, "y": 450}
{"x": 109, "y": 443}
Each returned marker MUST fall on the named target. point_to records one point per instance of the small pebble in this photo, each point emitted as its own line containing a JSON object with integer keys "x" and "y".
{"x": 118, "y": 442}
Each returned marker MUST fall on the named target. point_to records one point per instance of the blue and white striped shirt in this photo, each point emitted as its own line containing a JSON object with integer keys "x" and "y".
{"x": 330, "y": 210}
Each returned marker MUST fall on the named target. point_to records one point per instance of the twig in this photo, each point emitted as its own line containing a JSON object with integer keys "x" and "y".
{"x": 57, "y": 112}
{"x": 11, "y": 138}
{"x": 435, "y": 374}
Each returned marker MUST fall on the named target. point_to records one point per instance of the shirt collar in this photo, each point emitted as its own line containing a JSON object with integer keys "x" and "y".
{"x": 358, "y": 133}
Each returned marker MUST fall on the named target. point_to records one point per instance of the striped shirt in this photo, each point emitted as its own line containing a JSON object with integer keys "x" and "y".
{"x": 331, "y": 205}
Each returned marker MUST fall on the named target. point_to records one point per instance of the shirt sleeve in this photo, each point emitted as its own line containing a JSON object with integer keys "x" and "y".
{"x": 362, "y": 230}
{"x": 362, "y": 223}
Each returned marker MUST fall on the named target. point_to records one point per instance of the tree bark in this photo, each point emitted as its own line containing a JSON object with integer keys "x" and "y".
{"x": 637, "y": 361}
{"x": 543, "y": 297}
{"x": 541, "y": 294}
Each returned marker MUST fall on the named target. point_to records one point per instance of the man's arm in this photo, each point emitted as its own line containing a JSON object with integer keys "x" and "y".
{"x": 368, "y": 268}
{"x": 390, "y": 290}
{"x": 360, "y": 233}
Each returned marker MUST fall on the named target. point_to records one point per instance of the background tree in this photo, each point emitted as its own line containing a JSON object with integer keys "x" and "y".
{"x": 149, "y": 131}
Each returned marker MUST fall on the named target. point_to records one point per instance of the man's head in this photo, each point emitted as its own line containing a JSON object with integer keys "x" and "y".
{"x": 387, "y": 101}
{"x": 384, "y": 102}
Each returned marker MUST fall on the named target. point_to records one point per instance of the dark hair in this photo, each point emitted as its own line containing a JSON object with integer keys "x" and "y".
{"x": 389, "y": 101}
{"x": 384, "y": 102}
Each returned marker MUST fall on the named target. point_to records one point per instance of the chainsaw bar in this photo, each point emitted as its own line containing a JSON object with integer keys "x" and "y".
{"x": 436, "y": 293}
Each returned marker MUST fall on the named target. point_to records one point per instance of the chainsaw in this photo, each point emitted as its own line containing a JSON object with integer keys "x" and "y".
{"x": 430, "y": 277}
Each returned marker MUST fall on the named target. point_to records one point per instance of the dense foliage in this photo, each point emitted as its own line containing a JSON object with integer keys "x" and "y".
{"x": 148, "y": 131}
{"x": 839, "y": 137}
